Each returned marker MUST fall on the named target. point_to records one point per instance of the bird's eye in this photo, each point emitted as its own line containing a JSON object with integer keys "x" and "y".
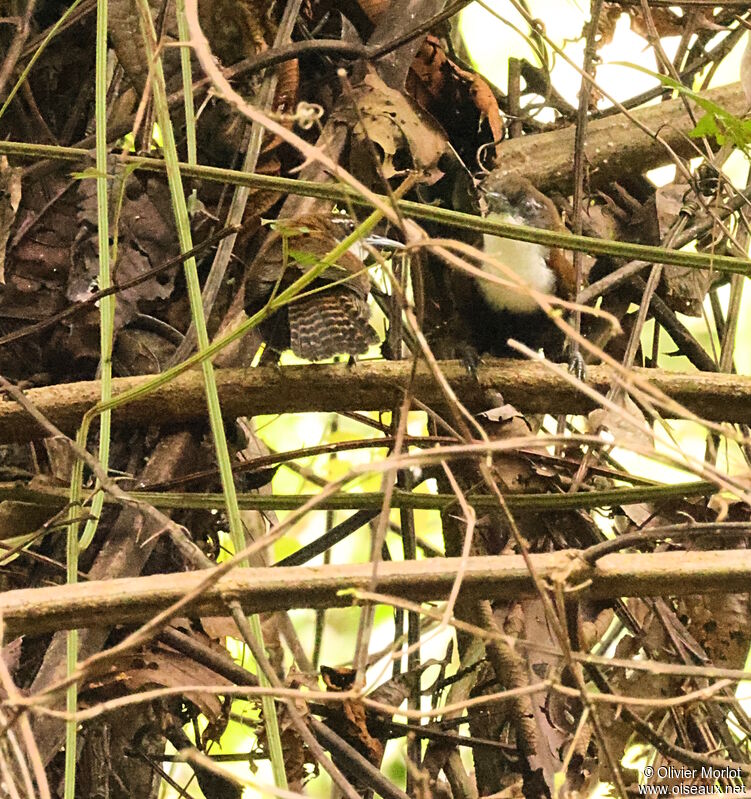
{"x": 495, "y": 195}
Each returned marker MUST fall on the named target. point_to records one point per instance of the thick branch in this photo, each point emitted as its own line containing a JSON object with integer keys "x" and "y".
{"x": 33, "y": 611}
{"x": 615, "y": 145}
{"x": 378, "y": 385}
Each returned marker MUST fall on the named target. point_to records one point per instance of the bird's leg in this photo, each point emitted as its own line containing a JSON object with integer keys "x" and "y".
{"x": 576, "y": 364}
{"x": 470, "y": 358}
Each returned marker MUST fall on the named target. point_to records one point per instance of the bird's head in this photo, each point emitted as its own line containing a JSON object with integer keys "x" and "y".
{"x": 515, "y": 197}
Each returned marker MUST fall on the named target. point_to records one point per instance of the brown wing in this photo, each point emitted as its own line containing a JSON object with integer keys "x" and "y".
{"x": 331, "y": 321}
{"x": 334, "y": 322}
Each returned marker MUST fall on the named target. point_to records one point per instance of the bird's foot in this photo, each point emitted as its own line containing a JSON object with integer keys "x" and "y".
{"x": 576, "y": 364}
{"x": 470, "y": 359}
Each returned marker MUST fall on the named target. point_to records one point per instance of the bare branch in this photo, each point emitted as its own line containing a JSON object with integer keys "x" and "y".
{"x": 33, "y": 611}
{"x": 614, "y": 144}
{"x": 529, "y": 387}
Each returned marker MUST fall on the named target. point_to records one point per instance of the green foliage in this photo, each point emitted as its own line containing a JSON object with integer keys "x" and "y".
{"x": 717, "y": 123}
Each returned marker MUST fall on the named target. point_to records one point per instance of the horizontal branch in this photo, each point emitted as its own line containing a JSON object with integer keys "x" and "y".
{"x": 57, "y": 498}
{"x": 581, "y": 500}
{"x": 367, "y": 386}
{"x": 615, "y": 145}
{"x": 33, "y": 611}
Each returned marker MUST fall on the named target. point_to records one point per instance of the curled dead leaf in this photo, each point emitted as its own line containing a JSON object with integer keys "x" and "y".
{"x": 165, "y": 667}
{"x": 403, "y": 135}
{"x": 462, "y": 101}
{"x": 350, "y": 720}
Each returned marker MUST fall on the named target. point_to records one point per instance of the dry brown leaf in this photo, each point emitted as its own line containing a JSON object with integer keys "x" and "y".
{"x": 349, "y": 718}
{"x": 145, "y": 239}
{"x": 36, "y": 268}
{"x": 667, "y": 22}
{"x": 405, "y": 137}
{"x": 236, "y": 30}
{"x": 295, "y": 758}
{"x": 374, "y": 9}
{"x": 170, "y": 669}
{"x": 593, "y": 620}
{"x": 10, "y": 199}
{"x": 20, "y": 518}
{"x": 219, "y": 627}
{"x": 60, "y": 460}
{"x": 141, "y": 351}
{"x": 11, "y": 654}
{"x": 720, "y": 623}
{"x": 459, "y": 99}
{"x": 484, "y": 99}
{"x": 609, "y": 16}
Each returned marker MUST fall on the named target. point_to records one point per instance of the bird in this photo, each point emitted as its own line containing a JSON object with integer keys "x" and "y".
{"x": 331, "y": 316}
{"x": 494, "y": 313}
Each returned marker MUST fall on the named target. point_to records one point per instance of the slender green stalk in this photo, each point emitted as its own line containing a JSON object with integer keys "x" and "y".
{"x": 106, "y": 328}
{"x": 167, "y": 500}
{"x": 445, "y": 216}
{"x": 406, "y": 499}
{"x": 187, "y": 76}
{"x": 106, "y": 320}
{"x": 71, "y": 695}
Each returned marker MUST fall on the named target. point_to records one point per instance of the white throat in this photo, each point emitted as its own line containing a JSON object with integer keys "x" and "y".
{"x": 527, "y": 261}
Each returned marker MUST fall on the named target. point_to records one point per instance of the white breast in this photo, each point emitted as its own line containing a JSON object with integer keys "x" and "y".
{"x": 528, "y": 261}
